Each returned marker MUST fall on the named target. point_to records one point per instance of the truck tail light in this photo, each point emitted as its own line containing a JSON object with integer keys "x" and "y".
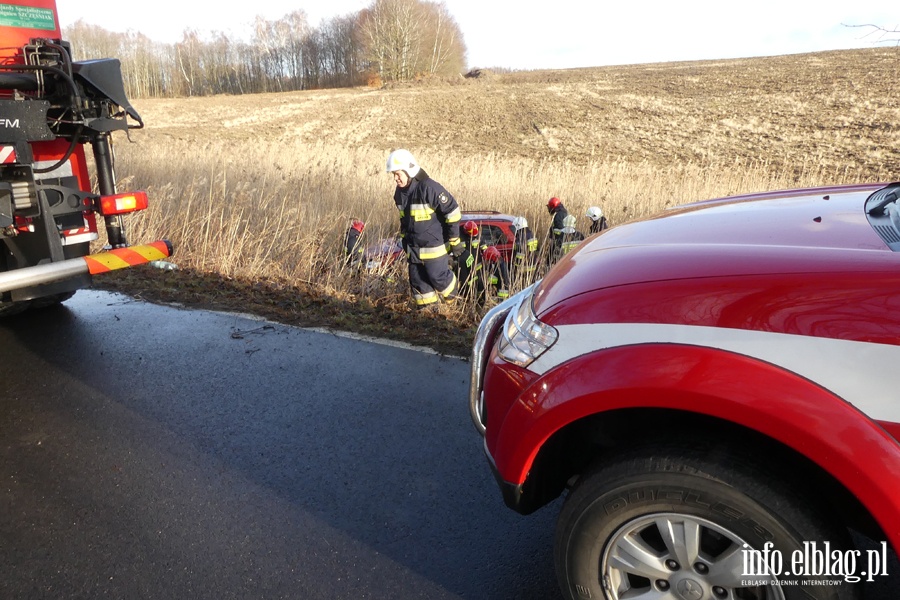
{"x": 123, "y": 203}
{"x": 24, "y": 224}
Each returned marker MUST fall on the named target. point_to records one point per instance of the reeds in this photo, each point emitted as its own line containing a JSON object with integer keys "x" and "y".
{"x": 276, "y": 212}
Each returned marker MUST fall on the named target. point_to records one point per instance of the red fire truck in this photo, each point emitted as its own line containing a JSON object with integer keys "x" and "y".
{"x": 51, "y": 108}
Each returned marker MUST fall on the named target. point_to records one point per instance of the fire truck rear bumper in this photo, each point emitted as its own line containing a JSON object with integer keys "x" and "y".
{"x": 95, "y": 264}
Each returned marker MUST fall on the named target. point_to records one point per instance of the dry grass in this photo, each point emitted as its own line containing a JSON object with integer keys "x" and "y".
{"x": 260, "y": 188}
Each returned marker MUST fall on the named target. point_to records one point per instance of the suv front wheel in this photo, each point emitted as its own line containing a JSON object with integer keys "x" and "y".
{"x": 671, "y": 522}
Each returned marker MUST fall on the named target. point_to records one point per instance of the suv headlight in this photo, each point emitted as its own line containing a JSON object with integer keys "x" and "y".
{"x": 524, "y": 336}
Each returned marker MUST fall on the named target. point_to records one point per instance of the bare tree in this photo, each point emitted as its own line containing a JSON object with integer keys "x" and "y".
{"x": 298, "y": 30}
{"x": 396, "y": 40}
{"x": 146, "y": 65}
{"x": 392, "y": 35}
{"x": 187, "y": 54}
{"x": 266, "y": 39}
{"x": 90, "y": 41}
{"x": 408, "y": 38}
{"x": 880, "y": 34}
{"x": 342, "y": 55}
{"x": 281, "y": 46}
{"x": 445, "y": 40}
{"x": 313, "y": 60}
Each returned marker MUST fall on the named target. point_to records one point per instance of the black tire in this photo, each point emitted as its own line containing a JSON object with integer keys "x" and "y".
{"x": 52, "y": 300}
{"x": 623, "y": 530}
{"x": 9, "y": 309}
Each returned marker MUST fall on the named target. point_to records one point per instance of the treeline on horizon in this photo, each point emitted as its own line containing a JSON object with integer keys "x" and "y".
{"x": 389, "y": 41}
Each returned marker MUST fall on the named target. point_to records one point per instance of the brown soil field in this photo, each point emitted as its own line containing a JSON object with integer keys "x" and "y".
{"x": 835, "y": 108}
{"x": 667, "y": 132}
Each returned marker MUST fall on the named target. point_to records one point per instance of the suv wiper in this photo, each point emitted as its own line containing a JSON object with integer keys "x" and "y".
{"x": 878, "y": 201}
{"x": 883, "y": 212}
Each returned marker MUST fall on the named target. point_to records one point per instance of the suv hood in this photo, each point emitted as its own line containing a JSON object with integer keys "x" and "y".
{"x": 817, "y": 230}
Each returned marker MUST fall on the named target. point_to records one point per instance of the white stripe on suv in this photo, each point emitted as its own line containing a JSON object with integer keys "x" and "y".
{"x": 867, "y": 375}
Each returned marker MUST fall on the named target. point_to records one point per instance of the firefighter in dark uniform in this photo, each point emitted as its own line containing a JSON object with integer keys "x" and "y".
{"x": 468, "y": 264}
{"x": 598, "y": 221}
{"x": 496, "y": 274}
{"x": 429, "y": 229}
{"x": 353, "y": 250}
{"x": 525, "y": 253}
{"x": 554, "y": 235}
{"x": 480, "y": 269}
{"x": 571, "y": 237}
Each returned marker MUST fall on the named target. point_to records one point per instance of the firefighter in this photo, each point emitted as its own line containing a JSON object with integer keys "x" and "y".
{"x": 570, "y": 237}
{"x": 554, "y": 235}
{"x": 598, "y": 221}
{"x": 429, "y": 229}
{"x": 496, "y": 274}
{"x": 353, "y": 250}
{"x": 468, "y": 264}
{"x": 525, "y": 255}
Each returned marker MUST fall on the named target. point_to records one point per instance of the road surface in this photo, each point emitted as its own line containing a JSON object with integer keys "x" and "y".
{"x": 152, "y": 452}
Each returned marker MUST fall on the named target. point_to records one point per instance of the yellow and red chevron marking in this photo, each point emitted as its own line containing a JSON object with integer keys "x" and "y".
{"x": 121, "y": 258}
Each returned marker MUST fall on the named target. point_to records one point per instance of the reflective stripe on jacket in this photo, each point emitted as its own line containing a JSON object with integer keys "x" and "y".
{"x": 526, "y": 246}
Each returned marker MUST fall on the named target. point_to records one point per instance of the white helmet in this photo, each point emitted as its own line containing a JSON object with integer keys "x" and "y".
{"x": 569, "y": 221}
{"x": 520, "y": 223}
{"x": 402, "y": 160}
{"x": 594, "y": 213}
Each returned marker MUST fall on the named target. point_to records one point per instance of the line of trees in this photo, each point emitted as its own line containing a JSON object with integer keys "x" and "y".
{"x": 390, "y": 41}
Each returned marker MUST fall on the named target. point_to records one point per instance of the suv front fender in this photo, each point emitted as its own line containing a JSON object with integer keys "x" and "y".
{"x": 754, "y": 394}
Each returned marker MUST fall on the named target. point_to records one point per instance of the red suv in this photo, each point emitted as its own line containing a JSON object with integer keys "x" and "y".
{"x": 715, "y": 392}
{"x": 496, "y": 230}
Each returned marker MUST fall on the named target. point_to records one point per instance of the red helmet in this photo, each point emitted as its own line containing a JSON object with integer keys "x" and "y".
{"x": 491, "y": 254}
{"x": 553, "y": 202}
{"x": 471, "y": 227}
{"x": 357, "y": 225}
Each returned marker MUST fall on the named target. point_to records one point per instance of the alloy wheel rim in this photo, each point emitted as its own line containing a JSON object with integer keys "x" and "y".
{"x": 675, "y": 556}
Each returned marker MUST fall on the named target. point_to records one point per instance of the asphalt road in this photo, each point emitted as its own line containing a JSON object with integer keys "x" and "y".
{"x": 151, "y": 452}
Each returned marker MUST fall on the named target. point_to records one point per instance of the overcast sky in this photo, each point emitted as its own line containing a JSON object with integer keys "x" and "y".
{"x": 529, "y": 34}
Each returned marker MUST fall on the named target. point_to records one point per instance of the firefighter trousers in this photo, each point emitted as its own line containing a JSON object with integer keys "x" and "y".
{"x": 432, "y": 280}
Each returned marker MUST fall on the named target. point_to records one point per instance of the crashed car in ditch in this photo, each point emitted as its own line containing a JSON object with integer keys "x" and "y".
{"x": 496, "y": 229}
{"x": 708, "y": 388}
